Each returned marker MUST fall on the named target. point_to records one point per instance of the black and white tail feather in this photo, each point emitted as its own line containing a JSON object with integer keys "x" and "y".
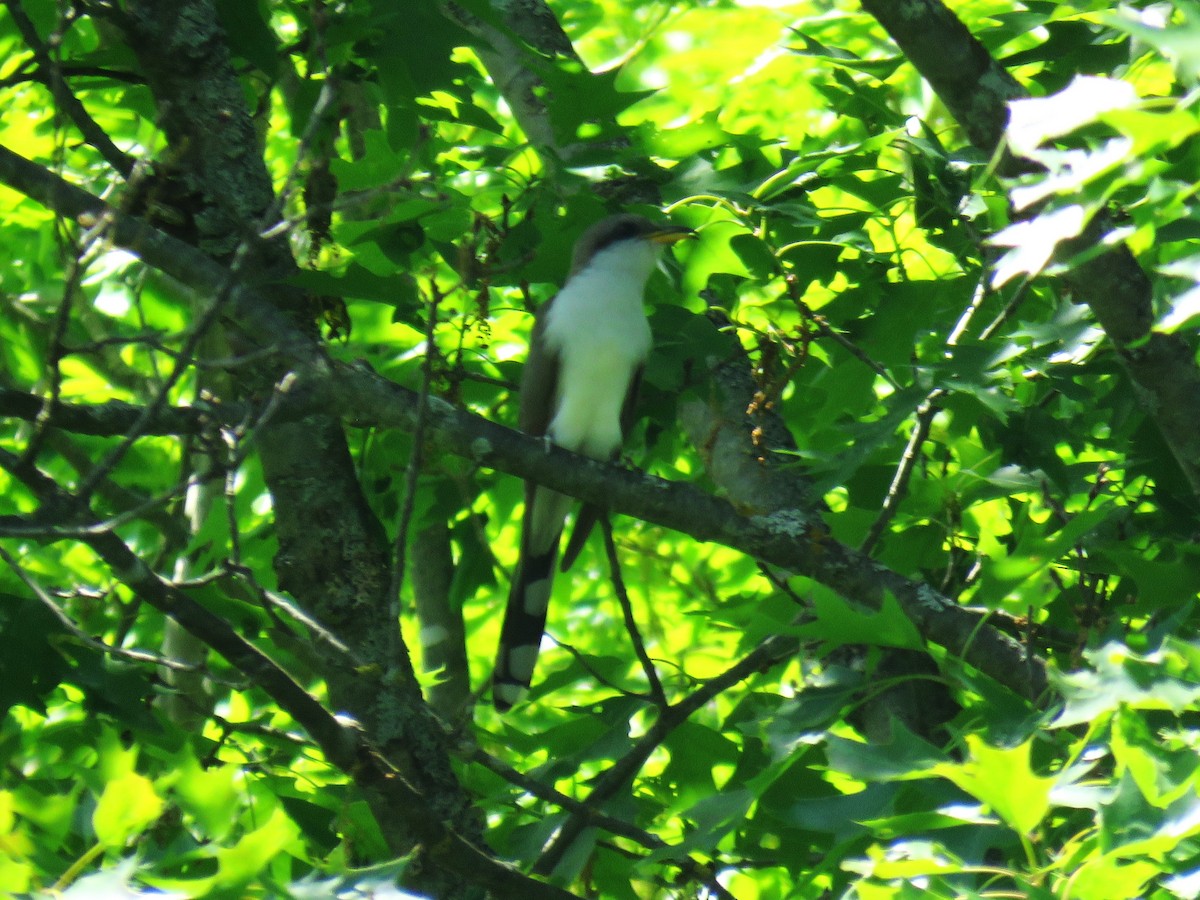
{"x": 529, "y": 597}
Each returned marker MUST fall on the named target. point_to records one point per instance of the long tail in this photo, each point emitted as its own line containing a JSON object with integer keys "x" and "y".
{"x": 529, "y": 598}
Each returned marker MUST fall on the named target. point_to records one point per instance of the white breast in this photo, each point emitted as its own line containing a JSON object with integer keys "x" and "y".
{"x": 599, "y": 330}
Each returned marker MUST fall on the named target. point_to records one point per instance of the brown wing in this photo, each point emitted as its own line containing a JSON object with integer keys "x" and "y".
{"x": 631, "y": 399}
{"x": 539, "y": 381}
{"x": 529, "y": 596}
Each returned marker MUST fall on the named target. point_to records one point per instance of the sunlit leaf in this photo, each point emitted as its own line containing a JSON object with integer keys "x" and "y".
{"x": 255, "y": 850}
{"x": 1033, "y": 243}
{"x": 1034, "y": 122}
{"x": 1002, "y": 779}
{"x": 128, "y": 805}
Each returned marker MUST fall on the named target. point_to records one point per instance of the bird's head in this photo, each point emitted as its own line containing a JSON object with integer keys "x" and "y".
{"x": 626, "y": 232}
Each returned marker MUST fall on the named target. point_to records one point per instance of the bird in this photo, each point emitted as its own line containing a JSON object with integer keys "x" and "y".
{"x": 578, "y": 390}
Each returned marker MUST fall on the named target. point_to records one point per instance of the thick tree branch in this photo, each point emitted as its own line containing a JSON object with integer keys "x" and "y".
{"x": 791, "y": 539}
{"x": 114, "y": 418}
{"x": 976, "y": 89}
{"x": 332, "y": 552}
{"x": 216, "y": 151}
{"x": 443, "y": 633}
{"x": 513, "y": 66}
{"x": 519, "y": 43}
{"x": 750, "y": 453}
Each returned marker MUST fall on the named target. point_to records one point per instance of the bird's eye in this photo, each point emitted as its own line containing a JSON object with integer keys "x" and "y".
{"x": 627, "y": 232}
{"x": 623, "y": 231}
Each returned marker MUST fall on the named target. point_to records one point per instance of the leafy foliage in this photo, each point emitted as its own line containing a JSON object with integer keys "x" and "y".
{"x": 897, "y": 296}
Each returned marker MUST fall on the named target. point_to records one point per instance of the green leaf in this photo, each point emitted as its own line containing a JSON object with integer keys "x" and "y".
{"x": 838, "y": 622}
{"x": 1033, "y": 122}
{"x": 249, "y": 35}
{"x": 755, "y": 256}
{"x": 241, "y": 863}
{"x": 1069, "y": 172}
{"x": 211, "y": 795}
{"x": 586, "y": 105}
{"x": 1003, "y": 781}
{"x": 1119, "y": 676}
{"x": 1108, "y": 877}
{"x": 359, "y": 283}
{"x": 1033, "y": 243}
{"x": 30, "y": 666}
{"x": 904, "y": 757}
{"x": 1161, "y": 773}
{"x": 127, "y": 807}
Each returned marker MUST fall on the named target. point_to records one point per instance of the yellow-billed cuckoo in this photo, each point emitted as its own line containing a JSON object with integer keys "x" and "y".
{"x": 581, "y": 378}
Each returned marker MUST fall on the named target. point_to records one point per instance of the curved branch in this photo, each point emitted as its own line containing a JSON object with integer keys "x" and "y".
{"x": 974, "y": 87}
{"x": 770, "y": 652}
{"x": 516, "y": 43}
{"x": 791, "y": 538}
{"x": 335, "y": 560}
{"x": 508, "y": 64}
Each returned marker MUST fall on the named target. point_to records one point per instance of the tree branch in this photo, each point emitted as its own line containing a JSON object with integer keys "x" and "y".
{"x": 657, "y": 695}
{"x": 115, "y": 417}
{"x": 791, "y": 538}
{"x": 332, "y": 549}
{"x": 676, "y": 855}
{"x": 511, "y": 66}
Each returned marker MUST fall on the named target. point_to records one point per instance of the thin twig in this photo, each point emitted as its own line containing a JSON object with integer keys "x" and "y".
{"x": 158, "y": 343}
{"x": 343, "y": 743}
{"x": 549, "y": 794}
{"x": 412, "y": 473}
{"x": 582, "y": 659}
{"x": 25, "y": 76}
{"x": 229, "y": 493}
{"x": 205, "y": 321}
{"x": 50, "y": 74}
{"x": 1018, "y": 298}
{"x": 792, "y": 292}
{"x": 768, "y": 653}
{"x": 635, "y": 635}
{"x": 112, "y": 417}
{"x": 926, "y": 412}
{"x": 56, "y": 352}
{"x": 43, "y": 527}
{"x": 138, "y": 656}
{"x": 780, "y": 584}
{"x": 686, "y": 864}
{"x": 270, "y": 600}
{"x": 897, "y": 490}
